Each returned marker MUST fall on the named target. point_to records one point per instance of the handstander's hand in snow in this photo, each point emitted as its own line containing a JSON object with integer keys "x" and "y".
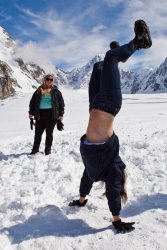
{"x": 123, "y": 227}
{"x": 77, "y": 203}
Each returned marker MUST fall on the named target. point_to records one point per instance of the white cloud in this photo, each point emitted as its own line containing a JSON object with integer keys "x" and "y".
{"x": 73, "y": 53}
{"x": 31, "y": 52}
{"x": 153, "y": 11}
{"x": 113, "y": 2}
{"x": 151, "y": 58}
{"x": 68, "y": 42}
{"x": 98, "y": 28}
{"x": 4, "y": 17}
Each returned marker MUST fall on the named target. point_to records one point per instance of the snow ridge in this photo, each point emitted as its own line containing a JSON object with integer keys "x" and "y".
{"x": 28, "y": 75}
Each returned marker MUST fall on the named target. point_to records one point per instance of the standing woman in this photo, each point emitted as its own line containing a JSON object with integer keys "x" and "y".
{"x": 47, "y": 107}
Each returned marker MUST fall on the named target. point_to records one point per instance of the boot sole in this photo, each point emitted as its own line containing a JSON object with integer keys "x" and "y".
{"x": 144, "y": 37}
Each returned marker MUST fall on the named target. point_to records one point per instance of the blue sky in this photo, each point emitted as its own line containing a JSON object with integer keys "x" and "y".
{"x": 68, "y": 33}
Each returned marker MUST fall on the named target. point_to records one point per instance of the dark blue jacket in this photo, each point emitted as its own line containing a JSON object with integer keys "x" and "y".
{"x": 57, "y": 103}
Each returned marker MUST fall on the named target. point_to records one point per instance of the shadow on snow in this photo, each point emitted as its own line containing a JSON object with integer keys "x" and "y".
{"x": 7, "y": 157}
{"x": 144, "y": 203}
{"x": 49, "y": 221}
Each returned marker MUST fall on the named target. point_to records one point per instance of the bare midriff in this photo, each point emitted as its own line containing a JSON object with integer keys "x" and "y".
{"x": 100, "y": 126}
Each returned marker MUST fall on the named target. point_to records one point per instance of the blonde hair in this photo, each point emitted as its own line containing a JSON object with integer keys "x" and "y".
{"x": 123, "y": 192}
{"x": 48, "y": 75}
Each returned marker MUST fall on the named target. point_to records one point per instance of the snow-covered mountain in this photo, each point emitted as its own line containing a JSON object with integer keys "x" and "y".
{"x": 79, "y": 77}
{"x": 133, "y": 82}
{"x": 17, "y": 75}
{"x": 145, "y": 80}
{"x": 31, "y": 69}
{"x": 158, "y": 79}
{"x": 7, "y": 81}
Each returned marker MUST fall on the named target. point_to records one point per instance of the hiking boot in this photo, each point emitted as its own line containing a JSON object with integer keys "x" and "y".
{"x": 47, "y": 151}
{"x": 142, "y": 35}
{"x": 33, "y": 152}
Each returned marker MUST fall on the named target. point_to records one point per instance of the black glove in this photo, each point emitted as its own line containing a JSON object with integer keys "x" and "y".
{"x": 60, "y": 125}
{"x": 77, "y": 203}
{"x": 123, "y": 227}
{"x": 32, "y": 123}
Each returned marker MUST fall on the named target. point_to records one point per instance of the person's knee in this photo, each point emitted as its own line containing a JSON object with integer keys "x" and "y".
{"x": 110, "y": 54}
{"x": 114, "y": 181}
{"x": 116, "y": 171}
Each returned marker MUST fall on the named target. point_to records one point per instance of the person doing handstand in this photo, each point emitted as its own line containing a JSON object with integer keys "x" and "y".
{"x": 100, "y": 146}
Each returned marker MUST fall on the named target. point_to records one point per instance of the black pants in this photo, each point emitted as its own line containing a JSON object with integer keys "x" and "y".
{"x": 102, "y": 162}
{"x": 109, "y": 97}
{"x": 44, "y": 123}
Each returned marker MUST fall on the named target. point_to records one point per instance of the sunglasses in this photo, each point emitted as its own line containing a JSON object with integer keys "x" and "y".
{"x": 49, "y": 79}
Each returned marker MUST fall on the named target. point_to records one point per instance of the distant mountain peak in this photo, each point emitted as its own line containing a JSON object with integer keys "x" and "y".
{"x": 24, "y": 76}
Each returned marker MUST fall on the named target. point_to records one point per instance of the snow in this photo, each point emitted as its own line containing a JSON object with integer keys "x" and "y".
{"x": 35, "y": 190}
{"x": 7, "y": 46}
{"x": 25, "y": 81}
{"x": 7, "y": 54}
